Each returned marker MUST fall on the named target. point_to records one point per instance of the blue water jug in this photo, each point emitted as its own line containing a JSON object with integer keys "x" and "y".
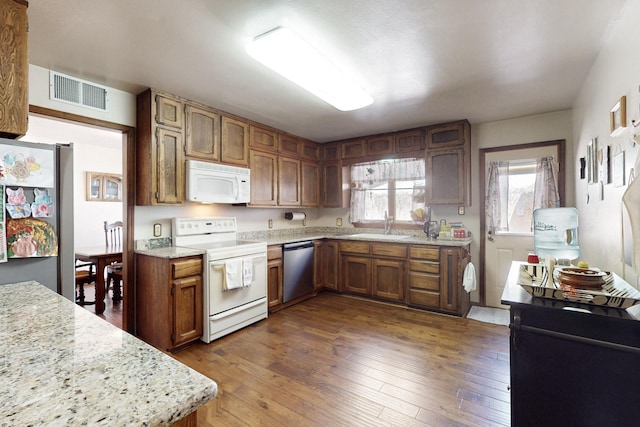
{"x": 555, "y": 233}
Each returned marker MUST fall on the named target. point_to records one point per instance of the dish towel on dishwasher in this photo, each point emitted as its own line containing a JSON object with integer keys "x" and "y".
{"x": 247, "y": 272}
{"x": 469, "y": 279}
{"x": 232, "y": 275}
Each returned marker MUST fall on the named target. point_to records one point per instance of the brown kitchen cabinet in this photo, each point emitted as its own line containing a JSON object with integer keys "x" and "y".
{"x": 380, "y": 145}
{"x": 326, "y": 264}
{"x": 169, "y": 300}
{"x": 289, "y": 182}
{"x": 373, "y": 269}
{"x": 159, "y": 150}
{"x": 14, "y": 63}
{"x": 310, "y": 184}
{"x": 448, "y": 164}
{"x": 202, "y": 133}
{"x": 335, "y": 185}
{"x": 410, "y": 141}
{"x": 234, "y": 142}
{"x": 263, "y": 139}
{"x": 274, "y": 277}
{"x": 264, "y": 178}
{"x": 435, "y": 278}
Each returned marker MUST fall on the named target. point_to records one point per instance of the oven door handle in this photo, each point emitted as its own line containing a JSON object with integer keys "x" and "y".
{"x": 237, "y": 309}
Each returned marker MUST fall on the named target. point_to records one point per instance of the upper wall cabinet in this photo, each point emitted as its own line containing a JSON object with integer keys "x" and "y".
{"x": 380, "y": 145}
{"x": 263, "y": 139}
{"x": 202, "y": 133}
{"x": 14, "y": 68}
{"x": 448, "y": 164}
{"x": 159, "y": 149}
{"x": 235, "y": 142}
{"x": 409, "y": 141}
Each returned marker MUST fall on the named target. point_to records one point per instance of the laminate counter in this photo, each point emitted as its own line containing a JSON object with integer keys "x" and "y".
{"x": 62, "y": 365}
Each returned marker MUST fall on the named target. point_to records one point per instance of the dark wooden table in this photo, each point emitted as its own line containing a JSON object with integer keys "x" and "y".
{"x": 101, "y": 256}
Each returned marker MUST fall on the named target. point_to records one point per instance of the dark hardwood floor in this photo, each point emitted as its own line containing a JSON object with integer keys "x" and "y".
{"x": 341, "y": 361}
{"x": 113, "y": 310}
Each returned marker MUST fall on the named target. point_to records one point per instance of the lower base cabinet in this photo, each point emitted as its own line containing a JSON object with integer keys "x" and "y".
{"x": 168, "y": 300}
{"x": 274, "y": 277}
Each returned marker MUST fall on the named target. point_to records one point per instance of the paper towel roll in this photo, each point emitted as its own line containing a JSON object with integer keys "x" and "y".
{"x": 295, "y": 216}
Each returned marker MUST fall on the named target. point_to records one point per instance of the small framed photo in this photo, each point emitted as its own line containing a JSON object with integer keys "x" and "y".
{"x": 618, "y": 116}
{"x": 604, "y": 160}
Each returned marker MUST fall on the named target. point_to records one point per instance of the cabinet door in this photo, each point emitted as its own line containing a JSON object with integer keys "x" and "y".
{"x": 450, "y": 284}
{"x": 353, "y": 149}
{"x": 235, "y": 142}
{"x": 310, "y": 196}
{"x": 263, "y": 139}
{"x": 169, "y": 167}
{"x": 264, "y": 178}
{"x": 446, "y": 184}
{"x": 310, "y": 151}
{"x": 168, "y": 111}
{"x": 327, "y": 265}
{"x": 410, "y": 141}
{"x": 288, "y": 181}
{"x": 274, "y": 282}
{"x": 332, "y": 185}
{"x": 15, "y": 69}
{"x": 356, "y": 275}
{"x": 388, "y": 279}
{"x": 380, "y": 145}
{"x": 448, "y": 135}
{"x": 187, "y": 310}
{"x": 202, "y": 139}
{"x": 290, "y": 145}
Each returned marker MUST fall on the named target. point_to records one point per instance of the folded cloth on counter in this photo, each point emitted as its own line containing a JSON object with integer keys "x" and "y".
{"x": 232, "y": 275}
{"x": 247, "y": 272}
{"x": 469, "y": 278}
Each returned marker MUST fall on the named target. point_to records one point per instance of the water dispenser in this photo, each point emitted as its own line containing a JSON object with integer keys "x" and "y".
{"x": 555, "y": 233}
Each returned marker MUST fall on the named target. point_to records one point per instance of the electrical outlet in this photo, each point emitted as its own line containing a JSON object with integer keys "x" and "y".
{"x": 157, "y": 229}
{"x": 339, "y": 222}
{"x": 270, "y": 223}
{"x": 460, "y": 210}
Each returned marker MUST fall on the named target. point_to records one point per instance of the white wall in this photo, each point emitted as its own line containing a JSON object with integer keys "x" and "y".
{"x": 615, "y": 73}
{"x": 94, "y": 150}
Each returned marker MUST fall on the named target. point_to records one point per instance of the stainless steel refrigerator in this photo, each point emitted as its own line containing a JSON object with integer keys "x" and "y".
{"x": 40, "y": 182}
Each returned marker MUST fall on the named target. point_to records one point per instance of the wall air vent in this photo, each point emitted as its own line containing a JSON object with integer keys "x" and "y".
{"x": 78, "y": 92}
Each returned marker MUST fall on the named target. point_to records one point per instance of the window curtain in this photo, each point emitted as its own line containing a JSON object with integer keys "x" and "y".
{"x": 545, "y": 194}
{"x": 497, "y": 197}
{"x": 367, "y": 175}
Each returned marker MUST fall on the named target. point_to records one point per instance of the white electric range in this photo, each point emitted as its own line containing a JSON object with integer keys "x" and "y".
{"x": 235, "y": 273}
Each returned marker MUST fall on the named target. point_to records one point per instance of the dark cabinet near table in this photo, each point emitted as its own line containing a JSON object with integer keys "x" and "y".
{"x": 168, "y": 300}
{"x": 572, "y": 368}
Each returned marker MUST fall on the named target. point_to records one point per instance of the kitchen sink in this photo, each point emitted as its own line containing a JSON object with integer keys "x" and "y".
{"x": 375, "y": 236}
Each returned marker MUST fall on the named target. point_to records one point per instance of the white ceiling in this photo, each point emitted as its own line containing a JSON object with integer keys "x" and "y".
{"x": 423, "y": 61}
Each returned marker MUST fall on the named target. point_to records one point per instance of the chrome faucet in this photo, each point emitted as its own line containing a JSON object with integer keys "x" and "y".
{"x": 387, "y": 223}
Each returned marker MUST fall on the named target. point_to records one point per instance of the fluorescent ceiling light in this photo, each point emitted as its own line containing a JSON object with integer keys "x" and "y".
{"x": 286, "y": 53}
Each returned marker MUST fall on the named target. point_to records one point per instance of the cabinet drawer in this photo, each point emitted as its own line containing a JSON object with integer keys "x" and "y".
{"x": 425, "y": 298}
{"x": 424, "y": 281}
{"x": 425, "y": 252}
{"x": 274, "y": 252}
{"x": 399, "y": 251}
{"x": 185, "y": 268}
{"x": 355, "y": 247}
{"x": 425, "y": 266}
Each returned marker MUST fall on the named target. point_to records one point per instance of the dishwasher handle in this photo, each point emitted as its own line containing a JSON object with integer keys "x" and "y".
{"x": 297, "y": 245}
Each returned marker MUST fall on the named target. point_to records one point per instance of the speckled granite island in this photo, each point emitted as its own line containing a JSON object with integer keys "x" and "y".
{"x": 61, "y": 365}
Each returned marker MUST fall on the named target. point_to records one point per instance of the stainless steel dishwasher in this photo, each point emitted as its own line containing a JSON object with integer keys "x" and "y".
{"x": 297, "y": 270}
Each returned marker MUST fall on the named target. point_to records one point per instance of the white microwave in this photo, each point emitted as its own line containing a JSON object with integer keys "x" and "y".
{"x": 216, "y": 183}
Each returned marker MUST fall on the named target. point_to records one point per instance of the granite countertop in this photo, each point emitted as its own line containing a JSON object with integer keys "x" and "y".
{"x": 171, "y": 252}
{"x": 62, "y": 365}
{"x": 391, "y": 238}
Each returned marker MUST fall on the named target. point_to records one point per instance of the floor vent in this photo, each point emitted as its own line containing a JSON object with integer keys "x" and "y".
{"x": 79, "y": 92}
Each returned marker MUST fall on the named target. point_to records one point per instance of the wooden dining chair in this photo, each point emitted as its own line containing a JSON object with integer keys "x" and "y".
{"x": 113, "y": 238}
{"x": 84, "y": 275}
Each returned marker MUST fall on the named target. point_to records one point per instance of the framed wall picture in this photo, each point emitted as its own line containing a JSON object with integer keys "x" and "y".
{"x": 592, "y": 170}
{"x": 104, "y": 187}
{"x": 618, "y": 116}
{"x": 618, "y": 169}
{"x": 603, "y": 164}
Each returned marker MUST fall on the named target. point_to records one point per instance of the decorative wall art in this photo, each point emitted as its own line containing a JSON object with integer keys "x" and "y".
{"x": 618, "y": 168}
{"x": 604, "y": 159}
{"x": 591, "y": 161}
{"x": 618, "y": 116}
{"x": 31, "y": 237}
{"x": 3, "y": 235}
{"x": 104, "y": 187}
{"x": 29, "y": 167}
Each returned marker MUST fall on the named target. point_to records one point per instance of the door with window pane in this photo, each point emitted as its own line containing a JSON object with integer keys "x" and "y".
{"x": 515, "y": 240}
